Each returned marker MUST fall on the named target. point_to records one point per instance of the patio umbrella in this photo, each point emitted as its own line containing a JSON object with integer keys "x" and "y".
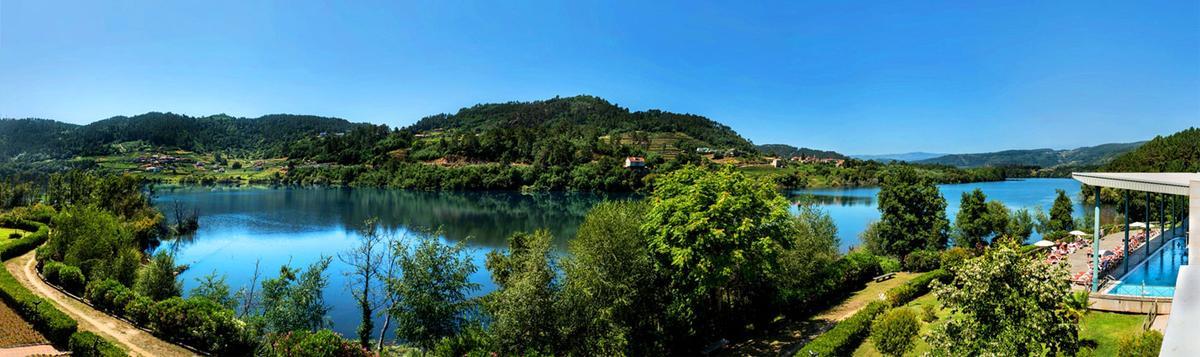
{"x": 1078, "y": 233}
{"x": 1044, "y": 243}
{"x": 1137, "y": 225}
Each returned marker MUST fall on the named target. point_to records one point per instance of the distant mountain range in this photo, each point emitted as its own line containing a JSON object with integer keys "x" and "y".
{"x": 1084, "y": 156}
{"x": 910, "y": 156}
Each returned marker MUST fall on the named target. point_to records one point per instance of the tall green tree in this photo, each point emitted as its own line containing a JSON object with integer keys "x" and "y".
{"x": 717, "y": 235}
{"x": 912, "y": 213}
{"x": 1060, "y": 213}
{"x": 1020, "y": 225}
{"x": 432, "y": 290}
{"x": 611, "y": 285}
{"x": 971, "y": 221}
{"x": 1006, "y": 304}
{"x": 522, "y": 308}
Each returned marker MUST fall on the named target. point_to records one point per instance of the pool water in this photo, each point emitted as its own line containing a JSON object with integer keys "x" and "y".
{"x": 1155, "y": 276}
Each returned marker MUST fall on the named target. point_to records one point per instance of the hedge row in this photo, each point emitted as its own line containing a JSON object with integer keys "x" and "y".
{"x": 56, "y": 326}
{"x": 843, "y": 338}
{"x": 196, "y": 322}
{"x": 40, "y": 233}
{"x": 87, "y": 344}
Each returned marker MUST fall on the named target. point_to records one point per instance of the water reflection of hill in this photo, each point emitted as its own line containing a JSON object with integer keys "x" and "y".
{"x": 827, "y": 200}
{"x": 487, "y": 217}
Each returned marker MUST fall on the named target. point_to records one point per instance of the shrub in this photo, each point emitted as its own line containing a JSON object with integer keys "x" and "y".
{"x": 902, "y": 294}
{"x": 1142, "y": 344}
{"x": 889, "y": 265}
{"x": 14, "y": 235}
{"x": 922, "y": 260}
{"x": 953, "y": 256}
{"x": 87, "y": 344}
{"x": 928, "y": 313}
{"x": 893, "y": 332}
{"x": 71, "y": 279}
{"x": 138, "y": 309}
{"x": 842, "y": 339}
{"x": 201, "y": 323}
{"x": 50, "y": 272}
{"x": 304, "y": 343}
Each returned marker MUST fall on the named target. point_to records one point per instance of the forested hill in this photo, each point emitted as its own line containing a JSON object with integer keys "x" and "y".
{"x": 1084, "y": 156}
{"x": 43, "y": 139}
{"x": 1179, "y": 152}
{"x": 787, "y": 151}
{"x": 586, "y": 112}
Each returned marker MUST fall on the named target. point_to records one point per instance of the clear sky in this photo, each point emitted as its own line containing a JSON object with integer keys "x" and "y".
{"x": 857, "y": 77}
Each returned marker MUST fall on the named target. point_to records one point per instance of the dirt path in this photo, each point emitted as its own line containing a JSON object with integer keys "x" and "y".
{"x": 137, "y": 342}
{"x": 785, "y": 338}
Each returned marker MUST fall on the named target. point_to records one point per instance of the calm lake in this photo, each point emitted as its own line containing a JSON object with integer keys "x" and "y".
{"x": 278, "y": 226}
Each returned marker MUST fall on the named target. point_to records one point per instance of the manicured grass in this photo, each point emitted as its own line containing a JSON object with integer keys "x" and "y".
{"x": 863, "y": 297}
{"x": 5, "y": 240}
{"x": 1106, "y": 329}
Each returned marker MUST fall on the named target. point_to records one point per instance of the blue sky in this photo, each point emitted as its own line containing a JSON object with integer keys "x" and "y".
{"x": 865, "y": 77}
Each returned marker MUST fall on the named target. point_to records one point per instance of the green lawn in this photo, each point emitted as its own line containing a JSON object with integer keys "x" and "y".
{"x": 4, "y": 232}
{"x": 1105, "y": 329}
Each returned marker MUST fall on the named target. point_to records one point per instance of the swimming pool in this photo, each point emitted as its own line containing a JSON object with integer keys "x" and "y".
{"x": 1155, "y": 276}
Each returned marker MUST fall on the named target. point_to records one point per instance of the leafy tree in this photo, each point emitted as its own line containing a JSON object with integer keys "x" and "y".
{"x": 912, "y": 213}
{"x": 1020, "y": 225}
{"x": 432, "y": 290}
{"x": 295, "y": 301}
{"x": 611, "y": 289}
{"x": 803, "y": 265}
{"x": 214, "y": 288}
{"x": 1060, "y": 214}
{"x": 522, "y": 308}
{"x": 971, "y": 220}
{"x": 892, "y": 333}
{"x": 1004, "y": 303}
{"x": 157, "y": 279}
{"x": 717, "y": 235}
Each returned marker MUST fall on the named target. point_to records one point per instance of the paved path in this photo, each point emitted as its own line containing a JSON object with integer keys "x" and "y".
{"x": 137, "y": 342}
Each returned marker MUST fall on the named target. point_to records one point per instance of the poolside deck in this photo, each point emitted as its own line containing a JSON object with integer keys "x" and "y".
{"x": 1078, "y": 261}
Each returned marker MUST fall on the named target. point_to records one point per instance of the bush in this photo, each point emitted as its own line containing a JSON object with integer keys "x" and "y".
{"x": 928, "y": 313}
{"x": 201, "y": 323}
{"x": 71, "y": 279}
{"x": 953, "y": 256}
{"x": 138, "y": 309}
{"x": 922, "y": 260}
{"x": 1145, "y": 344}
{"x": 50, "y": 272}
{"x": 889, "y": 265}
{"x": 14, "y": 235}
{"x": 920, "y": 285}
{"x": 304, "y": 343}
{"x": 893, "y": 332}
{"x": 87, "y": 344}
{"x": 842, "y": 339}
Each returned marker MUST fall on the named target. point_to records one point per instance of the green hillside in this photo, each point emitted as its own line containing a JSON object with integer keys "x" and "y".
{"x": 40, "y": 139}
{"x": 584, "y": 113}
{"x": 1084, "y": 156}
{"x": 1179, "y": 152}
{"x": 788, "y": 151}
